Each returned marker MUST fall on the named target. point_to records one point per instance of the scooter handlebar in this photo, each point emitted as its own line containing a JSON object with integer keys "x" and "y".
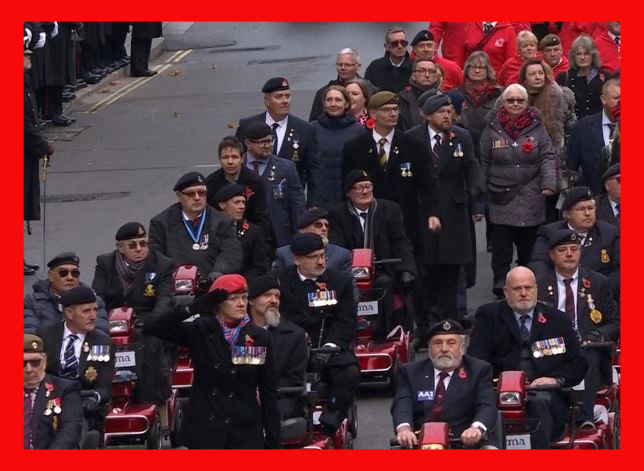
{"x": 325, "y": 350}
{"x": 598, "y": 345}
{"x": 387, "y": 261}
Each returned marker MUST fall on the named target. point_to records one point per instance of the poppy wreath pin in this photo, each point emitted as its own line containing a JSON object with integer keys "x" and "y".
{"x": 528, "y": 145}
{"x": 462, "y": 373}
{"x": 371, "y": 123}
{"x": 452, "y": 136}
{"x": 586, "y": 283}
{"x": 248, "y": 192}
{"x": 541, "y": 319}
{"x": 248, "y": 341}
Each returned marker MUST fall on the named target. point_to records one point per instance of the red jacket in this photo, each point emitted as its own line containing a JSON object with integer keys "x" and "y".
{"x": 452, "y": 73}
{"x": 500, "y": 45}
{"x": 451, "y": 33}
{"x": 521, "y": 26}
{"x": 571, "y": 29}
{"x": 608, "y": 51}
{"x": 509, "y": 73}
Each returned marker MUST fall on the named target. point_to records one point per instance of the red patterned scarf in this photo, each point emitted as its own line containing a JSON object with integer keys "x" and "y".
{"x": 514, "y": 126}
{"x": 479, "y": 93}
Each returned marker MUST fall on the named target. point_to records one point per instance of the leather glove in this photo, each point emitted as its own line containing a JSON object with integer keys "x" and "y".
{"x": 207, "y": 303}
{"x": 407, "y": 279}
{"x": 319, "y": 360}
{"x": 90, "y": 404}
{"x": 594, "y": 336}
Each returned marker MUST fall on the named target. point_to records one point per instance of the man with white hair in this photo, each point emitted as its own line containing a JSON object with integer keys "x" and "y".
{"x": 448, "y": 386}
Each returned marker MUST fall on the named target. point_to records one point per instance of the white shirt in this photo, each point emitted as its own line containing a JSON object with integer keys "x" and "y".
{"x": 605, "y": 128}
{"x": 280, "y": 131}
{"x": 77, "y": 344}
{"x": 389, "y": 137}
{"x": 561, "y": 289}
{"x": 613, "y": 205}
{"x": 613, "y": 36}
{"x": 432, "y": 139}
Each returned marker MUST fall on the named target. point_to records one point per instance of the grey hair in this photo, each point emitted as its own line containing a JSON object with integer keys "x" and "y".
{"x": 514, "y": 87}
{"x": 587, "y": 43}
{"x": 351, "y": 51}
{"x": 482, "y": 57}
{"x": 526, "y": 35}
{"x": 390, "y": 31}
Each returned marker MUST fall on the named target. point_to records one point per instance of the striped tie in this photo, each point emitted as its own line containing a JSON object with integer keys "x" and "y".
{"x": 71, "y": 361}
{"x": 382, "y": 153}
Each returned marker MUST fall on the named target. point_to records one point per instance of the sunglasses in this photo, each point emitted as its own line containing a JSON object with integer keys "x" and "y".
{"x": 192, "y": 194}
{"x": 399, "y": 43}
{"x": 133, "y": 244}
{"x": 33, "y": 363}
{"x": 515, "y": 100}
{"x": 63, "y": 273}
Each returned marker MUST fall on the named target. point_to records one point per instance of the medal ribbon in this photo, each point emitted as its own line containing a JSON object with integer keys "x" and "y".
{"x": 191, "y": 232}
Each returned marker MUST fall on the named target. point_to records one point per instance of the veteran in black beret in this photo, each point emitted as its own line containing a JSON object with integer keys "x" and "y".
{"x": 231, "y": 200}
{"x": 609, "y": 200}
{"x": 191, "y": 232}
{"x": 322, "y": 302}
{"x": 448, "y": 386}
{"x": 43, "y": 307}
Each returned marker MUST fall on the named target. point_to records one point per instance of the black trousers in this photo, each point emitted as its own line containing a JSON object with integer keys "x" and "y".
{"x": 140, "y": 55}
{"x": 441, "y": 291}
{"x": 343, "y": 383}
{"x": 50, "y": 101}
{"x": 551, "y": 409}
{"x": 592, "y": 382}
{"x": 503, "y": 239}
{"x": 116, "y": 42}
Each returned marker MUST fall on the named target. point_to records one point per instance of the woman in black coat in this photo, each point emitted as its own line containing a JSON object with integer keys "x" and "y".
{"x": 333, "y": 128}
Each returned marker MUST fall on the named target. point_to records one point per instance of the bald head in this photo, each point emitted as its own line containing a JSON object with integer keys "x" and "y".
{"x": 521, "y": 290}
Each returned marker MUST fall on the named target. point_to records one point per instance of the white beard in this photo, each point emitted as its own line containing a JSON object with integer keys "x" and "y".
{"x": 272, "y": 317}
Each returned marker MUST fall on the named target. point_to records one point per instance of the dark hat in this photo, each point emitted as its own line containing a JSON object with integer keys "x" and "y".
{"x": 26, "y": 45}
{"x": 448, "y": 326}
{"x": 575, "y": 195}
{"x": 230, "y": 283}
{"x": 355, "y": 176}
{"x": 423, "y": 35}
{"x": 457, "y": 100}
{"x": 310, "y": 216}
{"x": 425, "y": 95}
{"x": 261, "y": 284}
{"x": 188, "y": 180}
{"x": 549, "y": 40}
{"x": 130, "y": 230}
{"x": 610, "y": 172}
{"x": 275, "y": 84}
{"x": 381, "y": 99}
{"x": 78, "y": 295}
{"x": 257, "y": 130}
{"x": 305, "y": 243}
{"x": 434, "y": 103}
{"x": 564, "y": 237}
{"x": 34, "y": 344}
{"x": 64, "y": 259}
{"x": 229, "y": 191}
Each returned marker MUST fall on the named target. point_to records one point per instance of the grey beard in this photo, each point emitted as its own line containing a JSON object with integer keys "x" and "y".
{"x": 272, "y": 317}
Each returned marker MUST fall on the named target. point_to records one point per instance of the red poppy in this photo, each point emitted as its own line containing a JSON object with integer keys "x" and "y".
{"x": 248, "y": 341}
{"x": 57, "y": 401}
{"x": 322, "y": 286}
{"x": 528, "y": 146}
{"x": 586, "y": 283}
{"x": 371, "y": 123}
{"x": 541, "y": 319}
{"x": 245, "y": 226}
{"x": 248, "y": 192}
{"x": 452, "y": 134}
{"x": 462, "y": 373}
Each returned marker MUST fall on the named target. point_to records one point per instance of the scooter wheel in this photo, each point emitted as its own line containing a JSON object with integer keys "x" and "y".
{"x": 153, "y": 440}
{"x": 177, "y": 420}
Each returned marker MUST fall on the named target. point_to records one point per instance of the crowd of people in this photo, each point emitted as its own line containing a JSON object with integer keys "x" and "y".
{"x": 514, "y": 124}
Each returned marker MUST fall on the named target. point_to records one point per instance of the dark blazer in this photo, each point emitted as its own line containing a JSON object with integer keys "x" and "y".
{"x": 169, "y": 236}
{"x": 421, "y": 185}
{"x": 300, "y": 145}
{"x": 223, "y": 400}
{"x": 69, "y": 422}
{"x": 154, "y": 278}
{"x": 255, "y": 262}
{"x": 600, "y": 253}
{"x": 338, "y": 258}
{"x": 291, "y": 353}
{"x": 459, "y": 179}
{"x": 386, "y": 76}
{"x": 469, "y": 396}
{"x": 35, "y": 147}
{"x": 585, "y": 145}
{"x": 385, "y": 233}
{"x": 495, "y": 338}
{"x": 52, "y": 337}
{"x": 604, "y": 211}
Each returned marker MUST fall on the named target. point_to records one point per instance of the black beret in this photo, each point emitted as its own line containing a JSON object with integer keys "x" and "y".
{"x": 549, "y": 40}
{"x": 434, "y": 103}
{"x": 425, "y": 95}
{"x": 563, "y": 237}
{"x": 261, "y": 284}
{"x": 229, "y": 191}
{"x": 257, "y": 130}
{"x": 610, "y": 172}
{"x": 188, "y": 180}
{"x": 305, "y": 243}
{"x": 64, "y": 259}
{"x": 575, "y": 195}
{"x": 33, "y": 344}
{"x": 275, "y": 84}
{"x": 310, "y": 216}
{"x": 355, "y": 176}
{"x": 381, "y": 99}
{"x": 423, "y": 35}
{"x": 130, "y": 230}
{"x": 78, "y": 295}
{"x": 448, "y": 326}
{"x": 457, "y": 100}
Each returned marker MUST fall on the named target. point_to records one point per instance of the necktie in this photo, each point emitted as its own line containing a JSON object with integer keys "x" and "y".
{"x": 71, "y": 361}
{"x": 255, "y": 166}
{"x": 617, "y": 41}
{"x": 611, "y": 126}
{"x": 27, "y": 419}
{"x": 274, "y": 132}
{"x": 382, "y": 154}
{"x": 439, "y": 397}
{"x": 436, "y": 150}
{"x": 523, "y": 329}
{"x": 487, "y": 27}
{"x": 570, "y": 301}
{"x": 617, "y": 214}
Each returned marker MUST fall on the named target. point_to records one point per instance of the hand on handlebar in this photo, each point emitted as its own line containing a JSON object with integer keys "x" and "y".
{"x": 471, "y": 436}
{"x": 406, "y": 437}
{"x": 544, "y": 380}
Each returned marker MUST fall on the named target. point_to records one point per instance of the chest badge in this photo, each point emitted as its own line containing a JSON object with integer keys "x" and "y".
{"x": 604, "y": 258}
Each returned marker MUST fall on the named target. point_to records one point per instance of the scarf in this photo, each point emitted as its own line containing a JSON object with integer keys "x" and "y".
{"x": 514, "y": 126}
{"x": 478, "y": 93}
{"x": 231, "y": 334}
{"x": 362, "y": 117}
{"x": 127, "y": 272}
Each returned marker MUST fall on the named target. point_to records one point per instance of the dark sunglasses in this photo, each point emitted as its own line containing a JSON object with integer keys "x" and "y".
{"x": 63, "y": 273}
{"x": 515, "y": 100}
{"x": 132, "y": 244}
{"x": 34, "y": 363}
{"x": 399, "y": 43}
{"x": 191, "y": 194}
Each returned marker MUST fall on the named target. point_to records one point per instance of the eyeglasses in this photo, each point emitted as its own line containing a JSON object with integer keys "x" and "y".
{"x": 192, "y": 194}
{"x": 133, "y": 244}
{"x": 389, "y": 110}
{"x": 477, "y": 67}
{"x": 263, "y": 142}
{"x": 399, "y": 43}
{"x": 584, "y": 209}
{"x": 322, "y": 256}
{"x": 33, "y": 363}
{"x": 63, "y": 273}
{"x": 345, "y": 66}
{"x": 320, "y": 224}
{"x": 362, "y": 188}
{"x": 519, "y": 101}
{"x": 426, "y": 71}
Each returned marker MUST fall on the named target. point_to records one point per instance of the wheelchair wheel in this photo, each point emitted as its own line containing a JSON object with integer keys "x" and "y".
{"x": 353, "y": 420}
{"x": 154, "y": 438}
{"x": 177, "y": 420}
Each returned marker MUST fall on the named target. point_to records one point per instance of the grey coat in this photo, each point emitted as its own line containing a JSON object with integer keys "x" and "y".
{"x": 520, "y": 175}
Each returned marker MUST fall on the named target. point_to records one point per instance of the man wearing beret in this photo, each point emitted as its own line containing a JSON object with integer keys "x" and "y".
{"x": 608, "y": 201}
{"x": 289, "y": 340}
{"x": 424, "y": 76}
{"x": 316, "y": 220}
{"x": 459, "y": 189}
{"x": 322, "y": 302}
{"x": 366, "y": 222}
{"x": 43, "y": 307}
{"x": 550, "y": 47}
{"x": 233, "y": 402}
{"x": 391, "y": 72}
{"x": 192, "y": 233}
{"x": 424, "y": 48}
{"x": 231, "y": 200}
{"x": 600, "y": 241}
{"x": 76, "y": 350}
{"x": 586, "y": 298}
{"x": 293, "y": 138}
{"x": 519, "y": 333}
{"x": 448, "y": 386}
{"x": 284, "y": 193}
{"x": 53, "y": 413}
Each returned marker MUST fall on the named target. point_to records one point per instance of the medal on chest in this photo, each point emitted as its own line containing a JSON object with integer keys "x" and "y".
{"x": 196, "y": 234}
{"x": 322, "y": 296}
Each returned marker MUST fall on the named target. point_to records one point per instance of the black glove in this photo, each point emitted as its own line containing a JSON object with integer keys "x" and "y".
{"x": 212, "y": 276}
{"x": 318, "y": 361}
{"x": 90, "y": 404}
{"x": 207, "y": 303}
{"x": 407, "y": 279}
{"x": 594, "y": 336}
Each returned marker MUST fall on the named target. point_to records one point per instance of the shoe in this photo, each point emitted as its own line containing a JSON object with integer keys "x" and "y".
{"x": 43, "y": 123}
{"x": 67, "y": 97}
{"x": 144, "y": 73}
{"x": 29, "y": 265}
{"x": 80, "y": 83}
{"x": 62, "y": 120}
{"x": 29, "y": 271}
{"x": 587, "y": 426}
{"x": 91, "y": 78}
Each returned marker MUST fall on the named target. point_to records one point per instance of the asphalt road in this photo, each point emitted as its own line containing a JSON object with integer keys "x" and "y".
{"x": 119, "y": 162}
